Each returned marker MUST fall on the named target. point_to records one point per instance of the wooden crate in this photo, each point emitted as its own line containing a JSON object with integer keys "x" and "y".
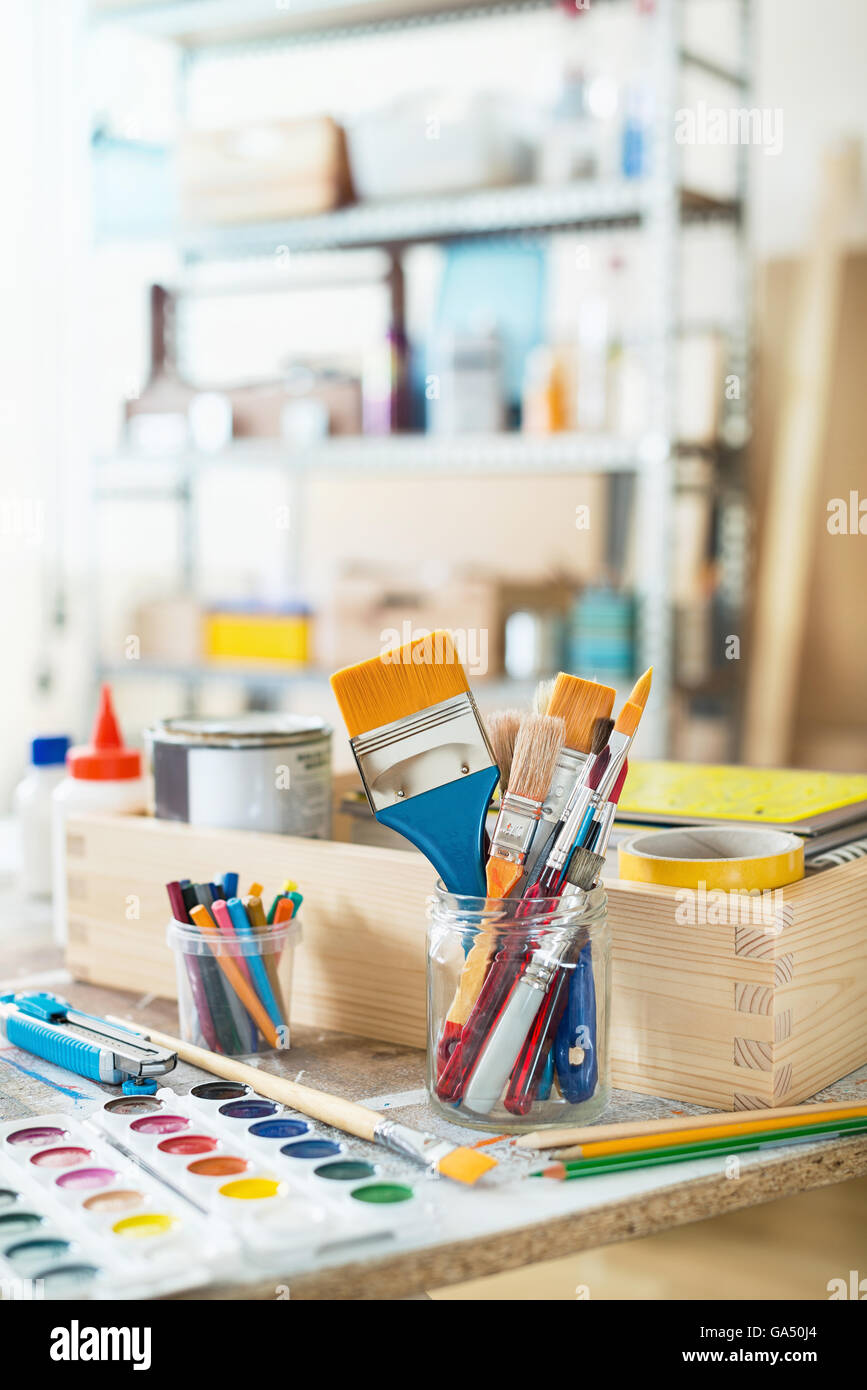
{"x": 724, "y": 1013}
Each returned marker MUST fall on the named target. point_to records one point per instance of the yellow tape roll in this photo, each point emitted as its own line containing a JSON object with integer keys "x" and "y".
{"x": 725, "y": 856}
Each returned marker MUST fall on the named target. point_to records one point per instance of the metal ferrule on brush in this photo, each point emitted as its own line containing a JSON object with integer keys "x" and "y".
{"x": 412, "y": 1143}
{"x": 422, "y": 751}
{"x": 565, "y": 782}
{"x": 515, "y": 827}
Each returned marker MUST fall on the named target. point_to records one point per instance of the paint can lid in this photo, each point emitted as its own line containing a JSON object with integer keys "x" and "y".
{"x": 254, "y": 729}
{"x": 106, "y": 758}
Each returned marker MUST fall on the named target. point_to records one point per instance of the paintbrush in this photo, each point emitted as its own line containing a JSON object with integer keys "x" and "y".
{"x": 542, "y": 696}
{"x": 594, "y": 790}
{"x": 438, "y": 1155}
{"x": 502, "y": 729}
{"x": 422, "y": 752}
{"x": 587, "y": 862}
{"x": 537, "y": 747}
{"x": 565, "y": 1026}
{"x": 535, "y": 754}
{"x": 588, "y": 774}
{"x": 580, "y": 704}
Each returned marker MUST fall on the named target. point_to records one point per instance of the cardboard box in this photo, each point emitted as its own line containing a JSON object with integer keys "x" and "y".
{"x": 268, "y": 170}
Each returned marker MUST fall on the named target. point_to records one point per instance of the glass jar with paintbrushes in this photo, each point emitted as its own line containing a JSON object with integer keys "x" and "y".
{"x": 518, "y": 1008}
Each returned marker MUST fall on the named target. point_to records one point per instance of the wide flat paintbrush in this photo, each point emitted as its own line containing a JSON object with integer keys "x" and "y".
{"x": 422, "y": 753}
{"x": 537, "y": 748}
{"x": 439, "y": 1155}
{"x": 580, "y": 704}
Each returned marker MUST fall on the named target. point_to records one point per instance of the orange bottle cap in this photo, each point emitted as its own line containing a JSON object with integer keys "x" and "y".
{"x": 106, "y": 758}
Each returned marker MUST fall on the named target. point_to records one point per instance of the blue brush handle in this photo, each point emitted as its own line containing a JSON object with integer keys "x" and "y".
{"x": 578, "y": 1029}
{"x": 448, "y": 825}
{"x": 58, "y": 1046}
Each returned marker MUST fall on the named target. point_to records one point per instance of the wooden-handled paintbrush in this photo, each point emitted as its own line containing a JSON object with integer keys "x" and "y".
{"x": 439, "y": 1155}
{"x": 422, "y": 753}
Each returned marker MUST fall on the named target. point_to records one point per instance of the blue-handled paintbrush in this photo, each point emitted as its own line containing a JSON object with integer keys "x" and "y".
{"x": 423, "y": 754}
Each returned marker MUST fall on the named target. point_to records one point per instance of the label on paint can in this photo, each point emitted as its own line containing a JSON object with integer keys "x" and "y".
{"x": 252, "y": 772}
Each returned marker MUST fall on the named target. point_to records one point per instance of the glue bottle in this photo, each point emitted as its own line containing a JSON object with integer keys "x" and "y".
{"x": 33, "y": 812}
{"x": 102, "y": 776}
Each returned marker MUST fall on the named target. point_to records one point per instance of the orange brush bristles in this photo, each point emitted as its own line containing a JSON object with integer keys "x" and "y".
{"x": 628, "y": 719}
{"x": 466, "y": 1165}
{"x": 641, "y": 689}
{"x": 579, "y": 704}
{"x": 399, "y": 682}
{"x": 501, "y": 875}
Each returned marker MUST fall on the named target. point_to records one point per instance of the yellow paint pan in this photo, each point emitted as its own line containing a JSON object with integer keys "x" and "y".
{"x": 726, "y": 856}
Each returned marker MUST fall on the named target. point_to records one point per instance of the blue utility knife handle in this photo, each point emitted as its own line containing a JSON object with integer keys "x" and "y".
{"x": 448, "y": 825}
{"x": 56, "y": 1045}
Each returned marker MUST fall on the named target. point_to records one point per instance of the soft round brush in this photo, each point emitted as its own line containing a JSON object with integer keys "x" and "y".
{"x": 422, "y": 753}
{"x": 537, "y": 747}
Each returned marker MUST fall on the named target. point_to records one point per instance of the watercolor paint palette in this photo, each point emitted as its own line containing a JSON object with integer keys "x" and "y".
{"x": 152, "y": 1194}
{"x": 239, "y": 1152}
{"x": 77, "y": 1220}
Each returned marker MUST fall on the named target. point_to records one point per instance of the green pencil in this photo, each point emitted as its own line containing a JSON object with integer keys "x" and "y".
{"x": 708, "y": 1148}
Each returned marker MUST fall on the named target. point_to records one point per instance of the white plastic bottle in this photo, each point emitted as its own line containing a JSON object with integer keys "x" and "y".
{"x": 32, "y": 802}
{"x": 103, "y": 775}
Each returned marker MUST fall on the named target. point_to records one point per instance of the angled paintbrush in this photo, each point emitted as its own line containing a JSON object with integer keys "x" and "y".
{"x": 422, "y": 753}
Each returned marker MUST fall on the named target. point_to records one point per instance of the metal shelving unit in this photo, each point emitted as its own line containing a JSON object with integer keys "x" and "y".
{"x": 658, "y": 205}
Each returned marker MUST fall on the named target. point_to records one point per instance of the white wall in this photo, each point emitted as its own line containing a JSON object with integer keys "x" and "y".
{"x": 810, "y": 63}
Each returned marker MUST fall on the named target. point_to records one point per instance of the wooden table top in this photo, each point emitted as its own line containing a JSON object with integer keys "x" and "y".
{"x": 500, "y": 1229}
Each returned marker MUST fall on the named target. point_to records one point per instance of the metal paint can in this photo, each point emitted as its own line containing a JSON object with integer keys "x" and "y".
{"x": 269, "y": 772}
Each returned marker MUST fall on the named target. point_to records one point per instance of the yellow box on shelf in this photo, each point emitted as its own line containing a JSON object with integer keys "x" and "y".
{"x": 258, "y": 635}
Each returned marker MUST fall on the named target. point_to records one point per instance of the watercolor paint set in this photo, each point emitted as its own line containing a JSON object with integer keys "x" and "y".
{"x": 261, "y": 1167}
{"x": 155, "y": 1193}
{"x": 78, "y": 1220}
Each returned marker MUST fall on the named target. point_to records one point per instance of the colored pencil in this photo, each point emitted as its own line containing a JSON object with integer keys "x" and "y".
{"x": 669, "y": 1124}
{"x": 648, "y": 1158}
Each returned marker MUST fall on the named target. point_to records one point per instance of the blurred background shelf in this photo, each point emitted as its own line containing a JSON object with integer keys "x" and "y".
{"x": 639, "y": 540}
{"x": 489, "y": 212}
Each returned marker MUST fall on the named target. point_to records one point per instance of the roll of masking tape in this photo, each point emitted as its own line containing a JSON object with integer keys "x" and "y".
{"x": 724, "y": 856}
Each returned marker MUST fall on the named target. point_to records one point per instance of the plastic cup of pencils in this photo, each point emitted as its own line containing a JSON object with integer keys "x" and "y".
{"x": 518, "y": 1009}
{"x": 231, "y": 996}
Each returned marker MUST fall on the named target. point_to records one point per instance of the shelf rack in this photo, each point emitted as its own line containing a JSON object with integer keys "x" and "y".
{"x": 658, "y": 205}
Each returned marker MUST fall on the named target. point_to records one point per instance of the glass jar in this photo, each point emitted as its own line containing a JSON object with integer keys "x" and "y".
{"x": 518, "y": 1009}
